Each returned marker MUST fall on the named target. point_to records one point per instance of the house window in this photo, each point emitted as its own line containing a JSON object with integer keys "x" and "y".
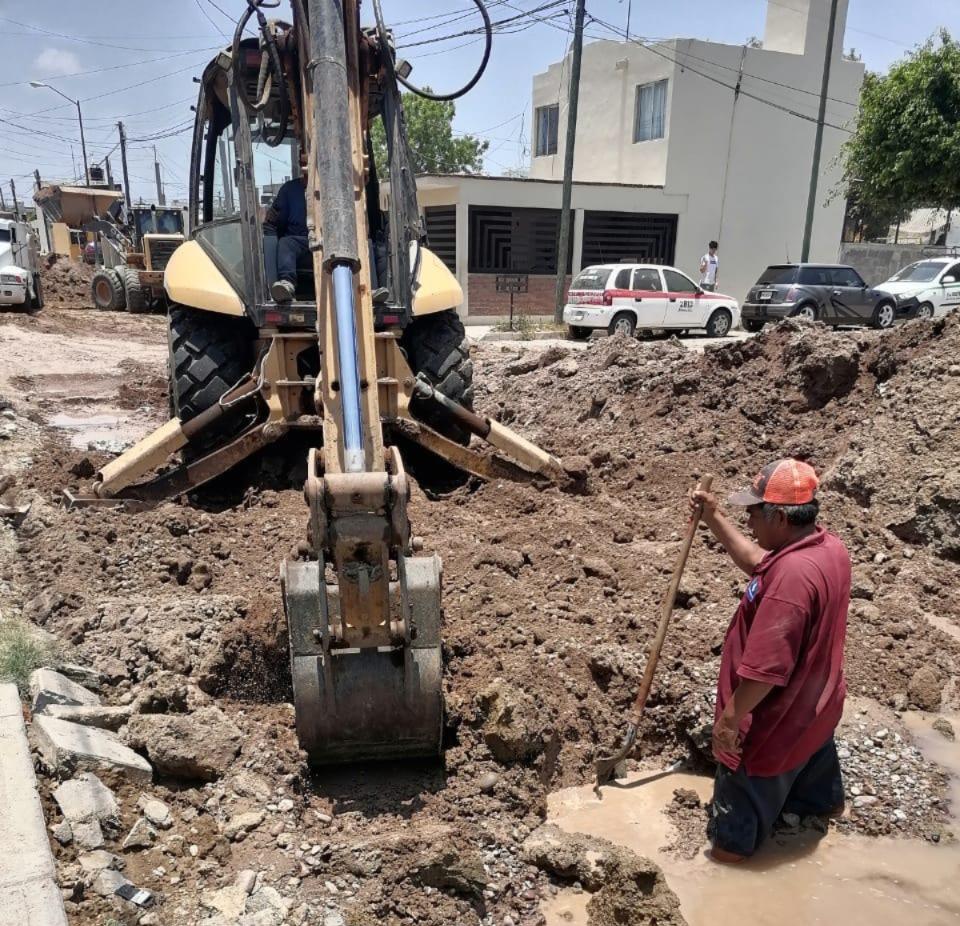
{"x": 650, "y": 114}
{"x": 505, "y": 240}
{"x": 548, "y": 118}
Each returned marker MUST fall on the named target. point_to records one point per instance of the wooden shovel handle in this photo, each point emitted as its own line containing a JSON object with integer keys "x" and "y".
{"x": 706, "y": 481}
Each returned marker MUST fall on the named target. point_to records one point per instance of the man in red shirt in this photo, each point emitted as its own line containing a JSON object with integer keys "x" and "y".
{"x": 781, "y": 687}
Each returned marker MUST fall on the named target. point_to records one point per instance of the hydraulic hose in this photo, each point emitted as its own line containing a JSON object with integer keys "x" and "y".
{"x": 442, "y": 97}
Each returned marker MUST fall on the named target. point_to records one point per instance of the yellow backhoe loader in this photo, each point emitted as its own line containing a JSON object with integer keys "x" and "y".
{"x": 369, "y": 346}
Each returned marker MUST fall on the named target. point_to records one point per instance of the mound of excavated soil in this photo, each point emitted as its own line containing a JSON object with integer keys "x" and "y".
{"x": 66, "y": 283}
{"x": 550, "y": 596}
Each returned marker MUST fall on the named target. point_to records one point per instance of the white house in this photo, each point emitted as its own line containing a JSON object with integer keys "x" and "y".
{"x": 677, "y": 143}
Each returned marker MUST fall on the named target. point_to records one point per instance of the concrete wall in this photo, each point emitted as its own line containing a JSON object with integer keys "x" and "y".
{"x": 744, "y": 166}
{"x": 876, "y": 263}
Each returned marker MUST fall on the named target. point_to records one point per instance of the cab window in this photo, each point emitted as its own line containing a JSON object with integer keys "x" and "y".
{"x": 622, "y": 280}
{"x": 954, "y": 272}
{"x": 678, "y": 283}
{"x": 647, "y": 280}
{"x": 846, "y": 276}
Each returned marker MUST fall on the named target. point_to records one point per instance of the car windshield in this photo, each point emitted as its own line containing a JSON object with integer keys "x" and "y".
{"x": 921, "y": 272}
{"x": 591, "y": 278}
{"x": 775, "y": 276}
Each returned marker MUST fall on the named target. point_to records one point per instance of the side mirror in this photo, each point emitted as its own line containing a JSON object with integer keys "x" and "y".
{"x": 948, "y": 279}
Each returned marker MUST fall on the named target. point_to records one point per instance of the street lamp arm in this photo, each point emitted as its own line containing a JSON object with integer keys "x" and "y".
{"x": 36, "y": 84}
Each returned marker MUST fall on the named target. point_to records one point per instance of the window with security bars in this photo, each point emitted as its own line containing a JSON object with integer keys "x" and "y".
{"x": 650, "y": 111}
{"x": 628, "y": 237}
{"x": 441, "y": 222}
{"x": 504, "y": 240}
{"x": 548, "y": 120}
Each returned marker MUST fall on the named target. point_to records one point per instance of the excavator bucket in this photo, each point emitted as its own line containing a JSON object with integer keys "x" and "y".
{"x": 358, "y": 704}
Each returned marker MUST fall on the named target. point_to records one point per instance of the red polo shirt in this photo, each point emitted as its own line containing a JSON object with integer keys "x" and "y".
{"x": 789, "y": 632}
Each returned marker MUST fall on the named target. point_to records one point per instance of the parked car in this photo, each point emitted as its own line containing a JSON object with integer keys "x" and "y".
{"x": 831, "y": 293}
{"x": 626, "y": 298}
{"x": 926, "y": 289}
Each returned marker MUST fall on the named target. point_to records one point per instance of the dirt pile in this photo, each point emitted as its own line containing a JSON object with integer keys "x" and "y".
{"x": 66, "y": 283}
{"x": 553, "y": 593}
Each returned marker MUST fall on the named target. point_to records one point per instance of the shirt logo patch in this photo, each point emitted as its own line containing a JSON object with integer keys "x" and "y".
{"x": 753, "y": 589}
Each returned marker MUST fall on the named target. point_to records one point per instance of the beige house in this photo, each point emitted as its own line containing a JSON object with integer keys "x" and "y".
{"x": 669, "y": 154}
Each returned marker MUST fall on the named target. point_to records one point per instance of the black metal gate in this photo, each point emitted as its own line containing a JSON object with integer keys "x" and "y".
{"x": 628, "y": 237}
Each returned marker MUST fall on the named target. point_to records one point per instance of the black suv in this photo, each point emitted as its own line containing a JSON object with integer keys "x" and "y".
{"x": 831, "y": 293}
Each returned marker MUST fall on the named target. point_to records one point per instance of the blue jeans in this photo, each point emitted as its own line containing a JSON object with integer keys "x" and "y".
{"x": 290, "y": 249}
{"x": 745, "y": 807}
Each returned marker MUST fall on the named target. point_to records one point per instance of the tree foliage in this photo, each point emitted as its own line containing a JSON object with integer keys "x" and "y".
{"x": 433, "y": 146}
{"x": 906, "y": 150}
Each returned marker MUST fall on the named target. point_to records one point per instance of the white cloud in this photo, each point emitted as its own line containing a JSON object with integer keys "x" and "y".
{"x": 52, "y": 62}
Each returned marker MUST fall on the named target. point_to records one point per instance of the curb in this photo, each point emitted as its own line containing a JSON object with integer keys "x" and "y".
{"x": 516, "y": 336}
{"x": 29, "y": 895}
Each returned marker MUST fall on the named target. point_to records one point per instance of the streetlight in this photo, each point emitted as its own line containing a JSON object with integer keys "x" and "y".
{"x": 36, "y": 84}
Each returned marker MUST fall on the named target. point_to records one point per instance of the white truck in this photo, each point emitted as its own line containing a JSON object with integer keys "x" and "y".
{"x": 19, "y": 264}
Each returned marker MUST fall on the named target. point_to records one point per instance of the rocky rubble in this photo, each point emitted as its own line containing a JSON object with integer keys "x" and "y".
{"x": 551, "y": 598}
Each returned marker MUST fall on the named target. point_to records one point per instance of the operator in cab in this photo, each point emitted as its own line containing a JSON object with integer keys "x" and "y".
{"x": 286, "y": 219}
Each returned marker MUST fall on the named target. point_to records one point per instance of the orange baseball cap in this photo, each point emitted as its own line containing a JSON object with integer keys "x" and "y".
{"x": 785, "y": 482}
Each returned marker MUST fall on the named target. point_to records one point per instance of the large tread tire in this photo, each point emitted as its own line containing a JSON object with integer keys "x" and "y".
{"x": 106, "y": 290}
{"x": 437, "y": 346}
{"x": 137, "y": 301}
{"x": 209, "y": 355}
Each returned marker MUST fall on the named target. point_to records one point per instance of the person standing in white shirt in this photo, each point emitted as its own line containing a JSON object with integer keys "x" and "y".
{"x": 709, "y": 265}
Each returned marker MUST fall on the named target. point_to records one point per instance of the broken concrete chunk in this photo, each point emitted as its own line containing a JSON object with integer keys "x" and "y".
{"x": 155, "y": 811}
{"x": 82, "y": 675}
{"x": 198, "y": 746}
{"x": 86, "y": 797}
{"x": 66, "y": 747}
{"x": 142, "y": 836}
{"x": 230, "y": 902}
{"x": 95, "y": 862}
{"x": 241, "y": 824}
{"x": 49, "y": 687}
{"x": 97, "y": 715}
{"x": 944, "y": 728}
{"x": 107, "y": 882}
{"x": 87, "y": 834}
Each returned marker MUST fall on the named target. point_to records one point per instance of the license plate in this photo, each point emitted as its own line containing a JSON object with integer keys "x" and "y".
{"x": 766, "y": 294}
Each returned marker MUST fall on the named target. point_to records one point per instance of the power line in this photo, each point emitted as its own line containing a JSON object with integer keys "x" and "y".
{"x": 496, "y": 24}
{"x": 209, "y": 18}
{"x": 82, "y": 41}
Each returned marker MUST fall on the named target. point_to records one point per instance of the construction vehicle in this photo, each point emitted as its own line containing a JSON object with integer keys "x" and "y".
{"x": 371, "y": 348}
{"x": 19, "y": 264}
{"x": 134, "y": 255}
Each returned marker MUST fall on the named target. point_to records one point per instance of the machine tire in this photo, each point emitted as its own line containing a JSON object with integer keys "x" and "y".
{"x": 719, "y": 323}
{"x": 209, "y": 354}
{"x": 578, "y": 332}
{"x": 437, "y": 346}
{"x": 137, "y": 301}
{"x": 106, "y": 290}
{"x": 36, "y": 300}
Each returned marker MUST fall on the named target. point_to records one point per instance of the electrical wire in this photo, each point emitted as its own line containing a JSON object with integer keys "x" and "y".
{"x": 426, "y": 94}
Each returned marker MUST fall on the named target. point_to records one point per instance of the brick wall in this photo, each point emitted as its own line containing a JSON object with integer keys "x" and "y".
{"x": 485, "y": 300}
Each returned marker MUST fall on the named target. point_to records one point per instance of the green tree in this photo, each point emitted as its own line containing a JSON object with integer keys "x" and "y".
{"x": 433, "y": 146}
{"x": 906, "y": 150}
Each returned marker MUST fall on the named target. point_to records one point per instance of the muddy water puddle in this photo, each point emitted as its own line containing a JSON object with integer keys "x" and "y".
{"x": 793, "y": 881}
{"x": 105, "y": 429}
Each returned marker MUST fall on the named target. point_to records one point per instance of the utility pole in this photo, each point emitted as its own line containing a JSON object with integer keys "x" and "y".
{"x": 106, "y": 162}
{"x": 156, "y": 168}
{"x": 3, "y": 202}
{"x": 36, "y": 177}
{"x": 123, "y": 161}
{"x": 563, "y": 247}
{"x": 73, "y": 161}
{"x": 16, "y": 205}
{"x": 818, "y": 140}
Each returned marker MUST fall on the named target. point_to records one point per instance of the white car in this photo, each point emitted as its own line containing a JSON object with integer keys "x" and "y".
{"x": 926, "y": 289}
{"x": 626, "y": 298}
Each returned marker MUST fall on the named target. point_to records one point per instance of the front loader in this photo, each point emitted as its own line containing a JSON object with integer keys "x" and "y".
{"x": 370, "y": 348}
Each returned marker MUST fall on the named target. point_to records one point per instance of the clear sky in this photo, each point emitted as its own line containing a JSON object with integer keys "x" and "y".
{"x": 144, "y": 55}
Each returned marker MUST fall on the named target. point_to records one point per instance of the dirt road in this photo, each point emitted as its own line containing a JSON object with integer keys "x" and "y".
{"x": 550, "y": 599}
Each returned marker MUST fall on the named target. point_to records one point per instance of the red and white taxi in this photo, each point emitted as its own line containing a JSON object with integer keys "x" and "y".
{"x": 626, "y": 298}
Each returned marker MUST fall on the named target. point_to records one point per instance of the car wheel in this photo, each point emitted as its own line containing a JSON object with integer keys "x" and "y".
{"x": 753, "y": 325}
{"x": 718, "y": 325}
{"x": 883, "y": 315}
{"x": 624, "y": 324}
{"x": 808, "y": 311}
{"x": 924, "y": 311}
{"x": 578, "y": 332}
